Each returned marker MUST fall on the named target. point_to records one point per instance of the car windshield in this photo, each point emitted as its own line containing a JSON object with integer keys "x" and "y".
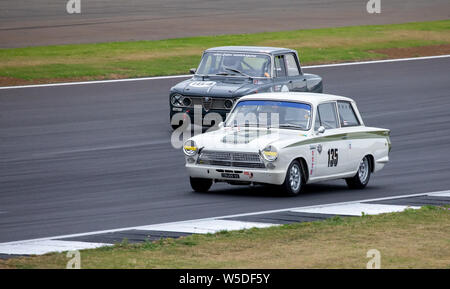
{"x": 268, "y": 113}
{"x": 235, "y": 64}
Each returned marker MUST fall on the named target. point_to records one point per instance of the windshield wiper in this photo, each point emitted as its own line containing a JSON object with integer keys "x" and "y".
{"x": 237, "y": 71}
{"x": 222, "y": 73}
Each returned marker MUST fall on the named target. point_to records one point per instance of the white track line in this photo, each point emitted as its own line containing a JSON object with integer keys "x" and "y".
{"x": 188, "y": 75}
{"x": 438, "y": 194}
{"x": 378, "y": 61}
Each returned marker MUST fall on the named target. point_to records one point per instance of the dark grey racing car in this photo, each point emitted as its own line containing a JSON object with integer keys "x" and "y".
{"x": 230, "y": 72}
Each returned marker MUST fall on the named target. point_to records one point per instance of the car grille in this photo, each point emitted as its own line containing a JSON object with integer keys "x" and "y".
{"x": 208, "y": 102}
{"x": 230, "y": 159}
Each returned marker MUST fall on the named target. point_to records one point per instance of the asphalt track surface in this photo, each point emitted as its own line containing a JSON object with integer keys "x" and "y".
{"x": 45, "y": 22}
{"x": 92, "y": 157}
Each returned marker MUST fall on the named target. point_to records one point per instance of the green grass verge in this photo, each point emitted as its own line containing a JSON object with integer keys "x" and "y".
{"x": 410, "y": 239}
{"x": 176, "y": 56}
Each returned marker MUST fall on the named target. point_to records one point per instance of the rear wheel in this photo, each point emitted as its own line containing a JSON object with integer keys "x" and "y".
{"x": 200, "y": 185}
{"x": 293, "y": 182}
{"x": 362, "y": 177}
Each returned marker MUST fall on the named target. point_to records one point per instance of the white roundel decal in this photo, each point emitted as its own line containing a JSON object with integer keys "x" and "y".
{"x": 202, "y": 83}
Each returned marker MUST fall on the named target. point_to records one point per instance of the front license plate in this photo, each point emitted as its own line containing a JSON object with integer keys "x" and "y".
{"x": 230, "y": 176}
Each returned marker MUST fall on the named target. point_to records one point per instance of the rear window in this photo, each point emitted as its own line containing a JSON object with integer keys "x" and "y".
{"x": 346, "y": 114}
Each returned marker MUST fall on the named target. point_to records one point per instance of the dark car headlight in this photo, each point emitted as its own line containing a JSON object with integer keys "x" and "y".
{"x": 176, "y": 100}
{"x": 228, "y": 103}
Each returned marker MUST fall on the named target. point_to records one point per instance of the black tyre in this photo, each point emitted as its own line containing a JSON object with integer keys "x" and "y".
{"x": 362, "y": 177}
{"x": 201, "y": 185}
{"x": 293, "y": 183}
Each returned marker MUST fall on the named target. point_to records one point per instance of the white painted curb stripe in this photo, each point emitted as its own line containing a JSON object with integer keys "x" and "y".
{"x": 188, "y": 75}
{"x": 355, "y": 209}
{"x": 208, "y": 225}
{"x": 46, "y": 246}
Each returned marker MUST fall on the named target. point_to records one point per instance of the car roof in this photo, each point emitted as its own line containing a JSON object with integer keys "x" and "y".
{"x": 309, "y": 97}
{"x": 252, "y": 49}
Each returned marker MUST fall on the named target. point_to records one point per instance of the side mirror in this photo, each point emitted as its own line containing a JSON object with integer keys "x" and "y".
{"x": 192, "y": 70}
{"x": 321, "y": 130}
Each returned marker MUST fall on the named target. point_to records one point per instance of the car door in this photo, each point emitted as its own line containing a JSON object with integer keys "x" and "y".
{"x": 330, "y": 145}
{"x": 296, "y": 80}
{"x": 356, "y": 148}
{"x": 281, "y": 82}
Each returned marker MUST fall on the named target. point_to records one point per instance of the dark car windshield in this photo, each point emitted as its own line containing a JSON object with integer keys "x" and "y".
{"x": 269, "y": 113}
{"x": 236, "y": 64}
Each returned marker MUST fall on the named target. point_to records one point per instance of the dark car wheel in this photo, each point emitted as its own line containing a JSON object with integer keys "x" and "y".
{"x": 200, "y": 185}
{"x": 362, "y": 177}
{"x": 293, "y": 182}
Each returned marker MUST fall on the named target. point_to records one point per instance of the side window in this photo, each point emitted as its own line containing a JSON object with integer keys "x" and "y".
{"x": 280, "y": 69}
{"x": 328, "y": 117}
{"x": 347, "y": 114}
{"x": 291, "y": 64}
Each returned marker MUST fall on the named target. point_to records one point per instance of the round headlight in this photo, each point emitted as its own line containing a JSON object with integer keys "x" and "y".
{"x": 187, "y": 101}
{"x": 270, "y": 153}
{"x": 228, "y": 103}
{"x": 190, "y": 148}
{"x": 177, "y": 100}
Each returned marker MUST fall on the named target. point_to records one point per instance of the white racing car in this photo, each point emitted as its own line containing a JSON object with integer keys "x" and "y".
{"x": 288, "y": 139}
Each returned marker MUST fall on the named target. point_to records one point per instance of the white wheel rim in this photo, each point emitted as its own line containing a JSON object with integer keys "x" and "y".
{"x": 363, "y": 171}
{"x": 295, "y": 177}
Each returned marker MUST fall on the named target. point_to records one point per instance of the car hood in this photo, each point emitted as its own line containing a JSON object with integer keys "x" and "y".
{"x": 216, "y": 87}
{"x": 247, "y": 139}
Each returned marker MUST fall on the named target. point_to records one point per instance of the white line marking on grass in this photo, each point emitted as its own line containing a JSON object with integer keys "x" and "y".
{"x": 188, "y": 75}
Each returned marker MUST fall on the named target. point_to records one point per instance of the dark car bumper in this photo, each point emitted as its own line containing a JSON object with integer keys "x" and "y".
{"x": 187, "y": 113}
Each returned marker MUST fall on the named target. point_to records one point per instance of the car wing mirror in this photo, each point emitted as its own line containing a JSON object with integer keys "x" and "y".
{"x": 321, "y": 130}
{"x": 192, "y": 70}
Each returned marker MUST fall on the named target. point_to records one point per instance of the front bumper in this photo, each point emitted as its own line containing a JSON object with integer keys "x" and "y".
{"x": 267, "y": 176}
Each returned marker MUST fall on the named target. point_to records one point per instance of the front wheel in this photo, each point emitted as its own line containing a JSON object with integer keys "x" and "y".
{"x": 362, "y": 177}
{"x": 293, "y": 182}
{"x": 200, "y": 185}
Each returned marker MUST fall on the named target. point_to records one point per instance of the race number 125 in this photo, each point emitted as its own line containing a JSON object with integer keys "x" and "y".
{"x": 332, "y": 157}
